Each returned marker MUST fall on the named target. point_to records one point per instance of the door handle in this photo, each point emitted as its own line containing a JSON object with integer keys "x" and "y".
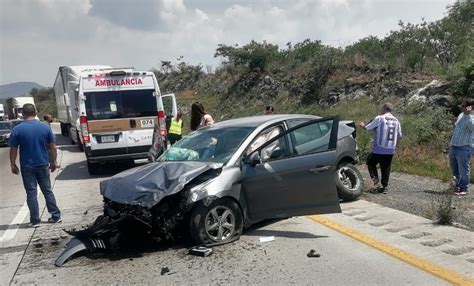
{"x": 320, "y": 169}
{"x": 133, "y": 123}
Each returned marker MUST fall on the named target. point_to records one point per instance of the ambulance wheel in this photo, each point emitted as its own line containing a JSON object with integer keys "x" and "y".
{"x": 79, "y": 143}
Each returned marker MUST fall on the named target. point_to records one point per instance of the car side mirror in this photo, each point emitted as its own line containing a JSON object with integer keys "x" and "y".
{"x": 253, "y": 159}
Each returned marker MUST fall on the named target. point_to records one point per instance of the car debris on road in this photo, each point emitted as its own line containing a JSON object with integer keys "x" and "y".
{"x": 266, "y": 238}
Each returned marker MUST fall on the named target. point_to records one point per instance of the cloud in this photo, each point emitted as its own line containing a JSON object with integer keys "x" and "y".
{"x": 146, "y": 15}
{"x": 38, "y": 36}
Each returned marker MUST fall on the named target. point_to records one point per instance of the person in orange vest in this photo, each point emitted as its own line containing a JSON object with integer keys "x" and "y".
{"x": 176, "y": 128}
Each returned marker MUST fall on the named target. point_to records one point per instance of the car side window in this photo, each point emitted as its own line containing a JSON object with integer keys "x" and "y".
{"x": 278, "y": 149}
{"x": 312, "y": 138}
{"x": 265, "y": 136}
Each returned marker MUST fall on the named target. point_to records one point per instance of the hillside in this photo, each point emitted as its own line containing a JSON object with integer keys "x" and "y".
{"x": 425, "y": 69}
{"x": 17, "y": 89}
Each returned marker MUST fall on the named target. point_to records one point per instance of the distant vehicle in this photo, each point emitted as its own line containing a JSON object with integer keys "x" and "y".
{"x": 15, "y": 122}
{"x": 14, "y": 106}
{"x": 2, "y": 112}
{"x": 5, "y": 131}
{"x": 111, "y": 112}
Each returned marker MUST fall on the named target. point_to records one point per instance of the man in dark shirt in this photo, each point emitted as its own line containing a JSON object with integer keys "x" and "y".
{"x": 34, "y": 139}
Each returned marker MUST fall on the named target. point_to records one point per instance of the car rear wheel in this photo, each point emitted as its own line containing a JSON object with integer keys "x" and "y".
{"x": 219, "y": 222}
{"x": 349, "y": 182}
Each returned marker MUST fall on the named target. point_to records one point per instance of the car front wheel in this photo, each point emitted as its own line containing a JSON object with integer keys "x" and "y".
{"x": 349, "y": 182}
{"x": 217, "y": 223}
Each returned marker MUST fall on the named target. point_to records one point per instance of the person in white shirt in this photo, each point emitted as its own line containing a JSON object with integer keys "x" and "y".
{"x": 387, "y": 131}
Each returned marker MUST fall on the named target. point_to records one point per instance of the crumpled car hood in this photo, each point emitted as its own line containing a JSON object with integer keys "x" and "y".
{"x": 147, "y": 185}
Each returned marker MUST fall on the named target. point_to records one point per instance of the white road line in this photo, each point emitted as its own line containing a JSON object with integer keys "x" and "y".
{"x": 13, "y": 227}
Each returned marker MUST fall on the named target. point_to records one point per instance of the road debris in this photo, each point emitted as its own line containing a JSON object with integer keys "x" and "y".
{"x": 267, "y": 238}
{"x": 200, "y": 251}
{"x": 313, "y": 253}
{"x": 164, "y": 270}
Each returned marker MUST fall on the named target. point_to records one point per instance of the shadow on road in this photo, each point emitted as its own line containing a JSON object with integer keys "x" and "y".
{"x": 78, "y": 170}
{"x": 21, "y": 225}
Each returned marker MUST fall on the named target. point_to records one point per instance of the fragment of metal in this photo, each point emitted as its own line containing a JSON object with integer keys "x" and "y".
{"x": 200, "y": 251}
{"x": 76, "y": 245}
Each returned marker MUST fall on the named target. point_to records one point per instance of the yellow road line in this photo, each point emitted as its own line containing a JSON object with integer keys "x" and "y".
{"x": 404, "y": 256}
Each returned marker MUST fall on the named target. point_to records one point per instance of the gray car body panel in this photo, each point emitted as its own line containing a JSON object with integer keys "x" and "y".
{"x": 147, "y": 185}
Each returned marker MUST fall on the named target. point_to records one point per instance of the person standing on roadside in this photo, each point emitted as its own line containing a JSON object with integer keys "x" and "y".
{"x": 176, "y": 128}
{"x": 387, "y": 131}
{"x": 199, "y": 117}
{"x": 34, "y": 139}
{"x": 48, "y": 118}
{"x": 460, "y": 150}
{"x": 269, "y": 110}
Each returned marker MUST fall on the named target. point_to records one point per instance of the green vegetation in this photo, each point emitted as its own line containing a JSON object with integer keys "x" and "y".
{"x": 352, "y": 82}
{"x": 45, "y": 101}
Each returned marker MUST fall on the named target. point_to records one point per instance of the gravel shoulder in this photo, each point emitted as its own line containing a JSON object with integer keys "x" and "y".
{"x": 420, "y": 196}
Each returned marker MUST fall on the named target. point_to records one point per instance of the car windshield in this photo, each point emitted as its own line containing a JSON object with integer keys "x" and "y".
{"x": 208, "y": 145}
{"x": 5, "y": 125}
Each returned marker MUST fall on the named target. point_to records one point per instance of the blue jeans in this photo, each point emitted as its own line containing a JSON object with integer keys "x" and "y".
{"x": 460, "y": 162}
{"x": 31, "y": 177}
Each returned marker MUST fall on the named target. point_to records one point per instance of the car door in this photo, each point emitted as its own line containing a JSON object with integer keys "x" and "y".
{"x": 170, "y": 108}
{"x": 296, "y": 177}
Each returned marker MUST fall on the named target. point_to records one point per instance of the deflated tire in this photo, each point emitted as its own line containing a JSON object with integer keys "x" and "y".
{"x": 216, "y": 223}
{"x": 349, "y": 182}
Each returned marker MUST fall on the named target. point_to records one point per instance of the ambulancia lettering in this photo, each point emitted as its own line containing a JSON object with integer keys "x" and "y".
{"x": 117, "y": 82}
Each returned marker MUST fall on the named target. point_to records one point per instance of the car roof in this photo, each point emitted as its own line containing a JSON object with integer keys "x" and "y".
{"x": 254, "y": 121}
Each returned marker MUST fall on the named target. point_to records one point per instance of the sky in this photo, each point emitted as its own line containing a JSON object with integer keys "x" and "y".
{"x": 38, "y": 36}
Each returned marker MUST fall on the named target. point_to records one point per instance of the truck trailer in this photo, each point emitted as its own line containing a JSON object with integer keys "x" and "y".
{"x": 66, "y": 87}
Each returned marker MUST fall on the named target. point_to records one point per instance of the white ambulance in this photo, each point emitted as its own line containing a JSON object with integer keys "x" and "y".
{"x": 118, "y": 109}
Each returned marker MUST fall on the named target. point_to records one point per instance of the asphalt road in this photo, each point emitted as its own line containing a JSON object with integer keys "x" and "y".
{"x": 345, "y": 258}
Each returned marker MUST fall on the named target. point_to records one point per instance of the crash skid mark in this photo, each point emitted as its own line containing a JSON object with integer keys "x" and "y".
{"x": 404, "y": 256}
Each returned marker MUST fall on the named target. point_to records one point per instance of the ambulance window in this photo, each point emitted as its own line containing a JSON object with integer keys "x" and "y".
{"x": 100, "y": 105}
{"x": 137, "y": 103}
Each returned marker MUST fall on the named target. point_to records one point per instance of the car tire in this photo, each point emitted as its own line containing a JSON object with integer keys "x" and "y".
{"x": 92, "y": 168}
{"x": 349, "y": 182}
{"x": 206, "y": 228}
{"x": 79, "y": 143}
{"x": 63, "y": 129}
{"x": 71, "y": 135}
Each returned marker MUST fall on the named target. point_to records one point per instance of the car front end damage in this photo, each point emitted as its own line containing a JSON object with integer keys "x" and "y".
{"x": 151, "y": 202}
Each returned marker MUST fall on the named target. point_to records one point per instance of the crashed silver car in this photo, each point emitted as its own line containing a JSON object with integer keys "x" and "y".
{"x": 218, "y": 180}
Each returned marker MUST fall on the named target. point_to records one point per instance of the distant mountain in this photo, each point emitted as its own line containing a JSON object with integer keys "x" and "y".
{"x": 17, "y": 89}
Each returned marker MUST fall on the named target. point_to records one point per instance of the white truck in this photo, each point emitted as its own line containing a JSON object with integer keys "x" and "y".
{"x": 65, "y": 91}
{"x": 2, "y": 112}
{"x": 111, "y": 112}
{"x": 14, "y": 106}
